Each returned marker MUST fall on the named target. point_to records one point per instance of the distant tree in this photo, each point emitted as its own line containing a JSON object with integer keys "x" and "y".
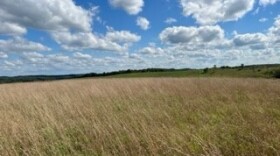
{"x": 242, "y": 66}
{"x": 276, "y": 74}
{"x": 215, "y": 67}
{"x": 225, "y": 67}
{"x": 205, "y": 70}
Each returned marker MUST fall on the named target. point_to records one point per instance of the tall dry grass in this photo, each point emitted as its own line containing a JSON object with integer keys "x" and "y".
{"x": 165, "y": 116}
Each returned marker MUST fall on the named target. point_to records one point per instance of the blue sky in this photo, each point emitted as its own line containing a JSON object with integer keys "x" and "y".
{"x": 80, "y": 36}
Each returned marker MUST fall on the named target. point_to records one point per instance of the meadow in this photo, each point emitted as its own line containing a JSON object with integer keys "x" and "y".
{"x": 249, "y": 71}
{"x": 141, "y": 116}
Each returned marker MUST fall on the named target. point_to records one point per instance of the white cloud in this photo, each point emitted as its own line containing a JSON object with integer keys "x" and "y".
{"x": 79, "y": 55}
{"x": 274, "y": 31}
{"x": 21, "y": 45}
{"x": 58, "y": 58}
{"x": 83, "y": 40}
{"x": 212, "y": 47}
{"x": 191, "y": 35}
{"x": 267, "y": 2}
{"x": 69, "y": 25}
{"x": 3, "y": 55}
{"x": 132, "y": 7}
{"x": 118, "y": 41}
{"x": 254, "y": 40}
{"x": 201, "y": 46}
{"x": 256, "y": 11}
{"x": 53, "y": 15}
{"x": 11, "y": 29}
{"x": 197, "y": 39}
{"x": 57, "y": 61}
{"x": 34, "y": 57}
{"x": 122, "y": 36}
{"x": 143, "y": 23}
{"x": 263, "y": 20}
{"x": 151, "y": 50}
{"x": 207, "y": 12}
{"x": 135, "y": 57}
{"x": 10, "y": 64}
{"x": 170, "y": 20}
{"x": 260, "y": 41}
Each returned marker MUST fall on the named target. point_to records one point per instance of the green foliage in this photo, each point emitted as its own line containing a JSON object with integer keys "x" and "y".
{"x": 242, "y": 66}
{"x": 205, "y": 70}
{"x": 277, "y": 74}
{"x": 266, "y": 71}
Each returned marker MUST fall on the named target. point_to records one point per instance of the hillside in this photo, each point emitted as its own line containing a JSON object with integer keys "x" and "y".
{"x": 253, "y": 71}
{"x": 143, "y": 116}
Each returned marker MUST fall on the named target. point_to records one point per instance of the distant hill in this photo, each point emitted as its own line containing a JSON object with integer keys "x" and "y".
{"x": 256, "y": 71}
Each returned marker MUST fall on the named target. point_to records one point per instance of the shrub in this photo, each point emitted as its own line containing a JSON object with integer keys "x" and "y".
{"x": 205, "y": 70}
{"x": 277, "y": 74}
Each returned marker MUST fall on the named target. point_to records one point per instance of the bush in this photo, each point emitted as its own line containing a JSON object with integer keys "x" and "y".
{"x": 277, "y": 74}
{"x": 205, "y": 70}
{"x": 225, "y": 67}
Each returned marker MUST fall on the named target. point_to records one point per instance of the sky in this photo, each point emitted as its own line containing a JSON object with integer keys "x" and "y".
{"x": 50, "y": 37}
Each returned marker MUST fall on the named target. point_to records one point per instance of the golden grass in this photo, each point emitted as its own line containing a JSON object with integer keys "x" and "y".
{"x": 149, "y": 116}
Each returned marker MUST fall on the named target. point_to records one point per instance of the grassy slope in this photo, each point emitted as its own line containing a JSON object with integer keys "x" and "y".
{"x": 256, "y": 71}
{"x": 253, "y": 72}
{"x": 154, "y": 116}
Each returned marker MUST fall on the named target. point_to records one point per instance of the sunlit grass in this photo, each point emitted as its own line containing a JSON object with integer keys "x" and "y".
{"x": 141, "y": 116}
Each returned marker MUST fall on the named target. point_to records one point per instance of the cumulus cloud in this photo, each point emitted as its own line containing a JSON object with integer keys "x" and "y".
{"x": 248, "y": 39}
{"x": 263, "y": 20}
{"x": 254, "y": 40}
{"x": 69, "y": 25}
{"x": 211, "y": 12}
{"x": 10, "y": 65}
{"x": 132, "y": 7}
{"x": 258, "y": 41}
{"x": 21, "y": 45}
{"x": 122, "y": 36}
{"x": 191, "y": 35}
{"x": 196, "y": 39}
{"x": 53, "y": 15}
{"x": 58, "y": 58}
{"x": 170, "y": 20}
{"x": 3, "y": 55}
{"x": 182, "y": 46}
{"x": 274, "y": 31}
{"x": 151, "y": 51}
{"x": 135, "y": 57}
{"x": 267, "y": 2}
{"x": 143, "y": 23}
{"x": 276, "y": 25}
{"x": 113, "y": 41}
{"x": 208, "y": 45}
{"x": 79, "y": 55}
{"x": 34, "y": 57}
{"x": 268, "y": 40}
{"x": 11, "y": 29}
{"x": 78, "y": 41}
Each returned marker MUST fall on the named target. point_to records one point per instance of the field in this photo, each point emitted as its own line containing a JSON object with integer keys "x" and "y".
{"x": 254, "y": 71}
{"x": 141, "y": 116}
{"x": 250, "y": 71}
